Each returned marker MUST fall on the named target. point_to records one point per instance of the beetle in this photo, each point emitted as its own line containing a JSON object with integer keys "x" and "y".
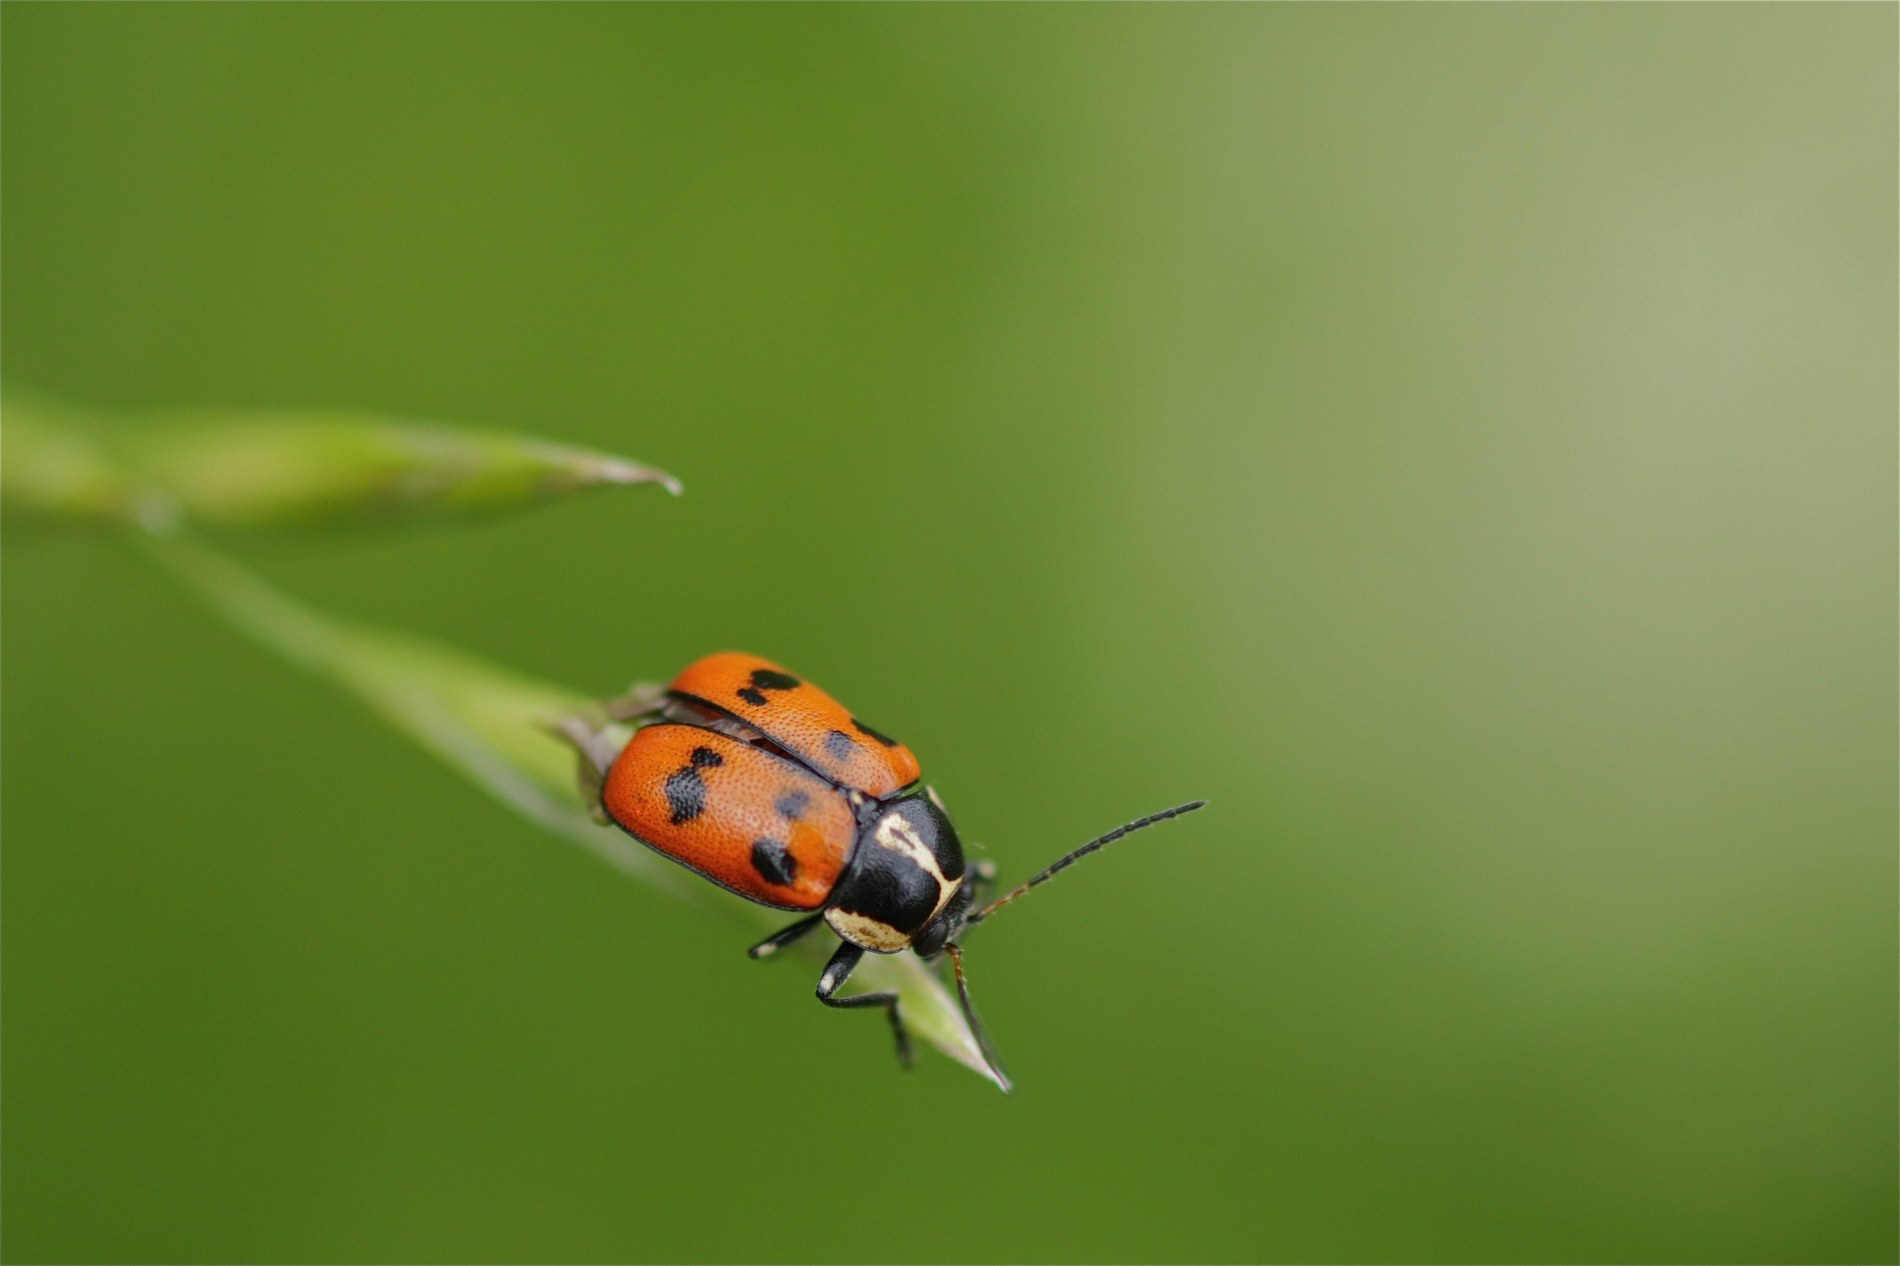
{"x": 767, "y": 786}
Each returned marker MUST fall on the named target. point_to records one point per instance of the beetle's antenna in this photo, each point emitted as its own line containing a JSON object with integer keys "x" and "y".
{"x": 976, "y": 1025}
{"x": 1080, "y": 853}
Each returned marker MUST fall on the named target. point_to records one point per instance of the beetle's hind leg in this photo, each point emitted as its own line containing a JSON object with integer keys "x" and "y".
{"x": 786, "y": 935}
{"x": 595, "y": 747}
{"x": 839, "y": 970}
{"x": 597, "y": 734}
{"x": 642, "y": 697}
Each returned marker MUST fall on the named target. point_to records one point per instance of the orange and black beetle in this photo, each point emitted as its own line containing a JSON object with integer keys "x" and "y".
{"x": 767, "y": 786}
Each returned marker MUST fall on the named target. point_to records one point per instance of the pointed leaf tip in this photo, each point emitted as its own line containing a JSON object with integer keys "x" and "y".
{"x": 289, "y": 469}
{"x": 617, "y": 470}
{"x": 270, "y": 470}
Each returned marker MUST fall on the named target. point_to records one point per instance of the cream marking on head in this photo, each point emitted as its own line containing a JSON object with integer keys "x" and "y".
{"x": 897, "y": 834}
{"x": 872, "y": 934}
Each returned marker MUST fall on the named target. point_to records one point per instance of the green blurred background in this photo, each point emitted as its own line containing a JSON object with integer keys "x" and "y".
{"x": 1458, "y": 441}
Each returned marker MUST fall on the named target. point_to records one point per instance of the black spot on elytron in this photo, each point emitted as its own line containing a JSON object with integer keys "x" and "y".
{"x": 751, "y": 696}
{"x": 774, "y": 864}
{"x": 792, "y": 803}
{"x": 766, "y": 679}
{"x": 839, "y": 745}
{"x": 864, "y": 729}
{"x": 685, "y": 795}
{"x": 706, "y": 758}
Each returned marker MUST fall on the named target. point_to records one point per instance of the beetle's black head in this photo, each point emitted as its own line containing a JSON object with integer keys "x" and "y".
{"x": 905, "y": 871}
{"x": 929, "y": 942}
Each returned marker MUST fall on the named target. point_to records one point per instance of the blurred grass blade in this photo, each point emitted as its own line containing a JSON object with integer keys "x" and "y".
{"x": 480, "y": 719}
{"x": 493, "y": 726}
{"x": 274, "y": 470}
{"x": 277, "y": 470}
{"x": 53, "y": 466}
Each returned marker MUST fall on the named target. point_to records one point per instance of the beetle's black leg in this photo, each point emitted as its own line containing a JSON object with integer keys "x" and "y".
{"x": 980, "y": 879}
{"x": 839, "y": 970}
{"x": 785, "y": 936}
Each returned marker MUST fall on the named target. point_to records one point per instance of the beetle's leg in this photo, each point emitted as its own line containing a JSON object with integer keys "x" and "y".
{"x": 980, "y": 879}
{"x": 595, "y": 749}
{"x": 641, "y": 698}
{"x": 785, "y": 936}
{"x": 839, "y": 970}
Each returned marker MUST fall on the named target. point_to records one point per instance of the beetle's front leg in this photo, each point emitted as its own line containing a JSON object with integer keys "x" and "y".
{"x": 839, "y": 970}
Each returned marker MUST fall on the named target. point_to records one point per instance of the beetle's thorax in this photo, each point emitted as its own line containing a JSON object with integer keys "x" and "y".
{"x": 906, "y": 867}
